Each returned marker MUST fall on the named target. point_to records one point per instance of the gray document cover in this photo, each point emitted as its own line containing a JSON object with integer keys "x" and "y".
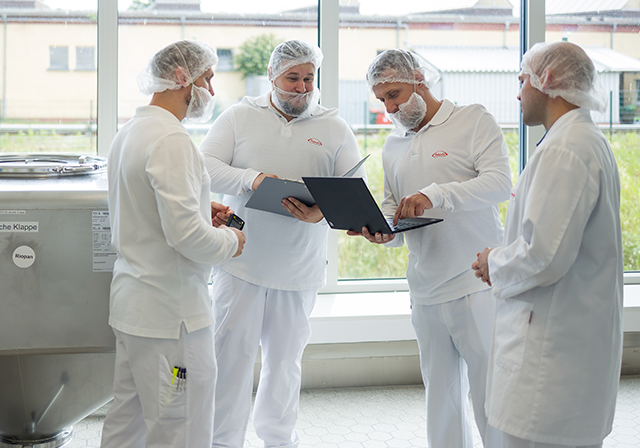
{"x": 269, "y": 195}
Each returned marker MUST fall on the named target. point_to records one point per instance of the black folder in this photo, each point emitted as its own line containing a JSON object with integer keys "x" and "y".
{"x": 347, "y": 204}
{"x": 269, "y": 195}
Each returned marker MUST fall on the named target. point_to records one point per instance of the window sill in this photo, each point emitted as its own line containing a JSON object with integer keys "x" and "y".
{"x": 361, "y": 317}
{"x": 368, "y": 316}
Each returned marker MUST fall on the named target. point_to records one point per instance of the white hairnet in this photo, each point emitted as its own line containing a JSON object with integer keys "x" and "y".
{"x": 401, "y": 66}
{"x": 189, "y": 58}
{"x": 563, "y": 69}
{"x": 292, "y": 53}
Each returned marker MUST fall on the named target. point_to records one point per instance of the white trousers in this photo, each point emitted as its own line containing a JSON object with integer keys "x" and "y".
{"x": 516, "y": 442}
{"x": 147, "y": 409}
{"x": 248, "y": 316}
{"x": 454, "y": 340}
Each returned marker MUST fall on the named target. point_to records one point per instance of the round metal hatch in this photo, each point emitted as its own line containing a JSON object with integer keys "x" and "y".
{"x": 50, "y": 165}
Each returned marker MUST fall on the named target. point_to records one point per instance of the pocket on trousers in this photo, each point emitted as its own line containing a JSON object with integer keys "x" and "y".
{"x": 511, "y": 326}
{"x": 172, "y": 397}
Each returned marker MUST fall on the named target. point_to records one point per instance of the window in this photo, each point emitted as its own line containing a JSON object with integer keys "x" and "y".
{"x": 610, "y": 38}
{"x": 225, "y": 60}
{"x": 476, "y": 54}
{"x": 240, "y": 35}
{"x": 85, "y": 58}
{"x": 56, "y": 110}
{"x": 58, "y": 58}
{"x": 47, "y": 106}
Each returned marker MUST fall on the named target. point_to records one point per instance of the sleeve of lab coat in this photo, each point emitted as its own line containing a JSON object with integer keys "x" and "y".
{"x": 559, "y": 201}
{"x": 174, "y": 168}
{"x": 491, "y": 186}
{"x": 218, "y": 147}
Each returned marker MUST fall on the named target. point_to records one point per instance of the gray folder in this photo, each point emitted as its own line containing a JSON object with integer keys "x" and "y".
{"x": 269, "y": 195}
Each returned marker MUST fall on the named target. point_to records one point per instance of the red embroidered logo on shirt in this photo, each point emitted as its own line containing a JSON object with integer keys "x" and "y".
{"x": 513, "y": 194}
{"x": 439, "y": 154}
{"x": 315, "y": 141}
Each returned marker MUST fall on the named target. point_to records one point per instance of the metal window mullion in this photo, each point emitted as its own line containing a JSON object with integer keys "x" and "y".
{"x": 328, "y": 40}
{"x": 532, "y": 31}
{"x": 107, "y": 119}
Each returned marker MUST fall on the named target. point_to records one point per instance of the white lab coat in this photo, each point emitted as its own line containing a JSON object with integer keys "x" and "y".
{"x": 160, "y": 310}
{"x": 557, "y": 345}
{"x": 160, "y": 215}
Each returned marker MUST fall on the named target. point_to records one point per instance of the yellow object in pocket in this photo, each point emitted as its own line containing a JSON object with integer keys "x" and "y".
{"x": 172, "y": 390}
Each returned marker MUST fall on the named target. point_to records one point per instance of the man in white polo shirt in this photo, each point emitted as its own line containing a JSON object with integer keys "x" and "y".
{"x": 450, "y": 162}
{"x": 265, "y": 297}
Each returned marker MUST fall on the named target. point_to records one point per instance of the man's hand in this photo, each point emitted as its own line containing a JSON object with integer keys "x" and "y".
{"x": 241, "y": 240}
{"x": 378, "y": 238}
{"x": 302, "y": 212}
{"x": 220, "y": 214}
{"x": 258, "y": 180}
{"x": 411, "y": 207}
{"x": 481, "y": 266}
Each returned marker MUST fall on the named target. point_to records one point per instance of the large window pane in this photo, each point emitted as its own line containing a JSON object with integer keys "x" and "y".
{"x": 475, "y": 48}
{"x": 610, "y": 37}
{"x": 49, "y": 83}
{"x": 242, "y": 40}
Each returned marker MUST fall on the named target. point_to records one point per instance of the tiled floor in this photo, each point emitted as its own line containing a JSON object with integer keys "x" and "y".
{"x": 386, "y": 417}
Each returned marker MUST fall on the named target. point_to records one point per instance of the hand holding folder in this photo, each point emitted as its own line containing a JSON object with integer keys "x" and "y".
{"x": 269, "y": 195}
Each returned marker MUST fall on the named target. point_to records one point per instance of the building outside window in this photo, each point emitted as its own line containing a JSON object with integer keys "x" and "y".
{"x": 48, "y": 87}
{"x": 62, "y": 119}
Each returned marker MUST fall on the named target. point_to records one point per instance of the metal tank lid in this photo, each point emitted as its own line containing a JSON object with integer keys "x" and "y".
{"x": 50, "y": 165}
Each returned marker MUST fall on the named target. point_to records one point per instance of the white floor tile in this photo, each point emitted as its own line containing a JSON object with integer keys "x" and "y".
{"x": 386, "y": 417}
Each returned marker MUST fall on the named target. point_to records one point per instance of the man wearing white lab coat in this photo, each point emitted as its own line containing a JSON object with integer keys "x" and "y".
{"x": 162, "y": 232}
{"x": 557, "y": 344}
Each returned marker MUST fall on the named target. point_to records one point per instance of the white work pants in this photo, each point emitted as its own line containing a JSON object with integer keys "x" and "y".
{"x": 454, "y": 340}
{"x": 516, "y": 442}
{"x": 149, "y": 411}
{"x": 248, "y": 316}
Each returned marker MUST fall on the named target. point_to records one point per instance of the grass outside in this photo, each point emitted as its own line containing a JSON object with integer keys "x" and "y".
{"x": 359, "y": 259}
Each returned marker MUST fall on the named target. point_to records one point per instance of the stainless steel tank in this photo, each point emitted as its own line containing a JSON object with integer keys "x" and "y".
{"x": 56, "y": 348}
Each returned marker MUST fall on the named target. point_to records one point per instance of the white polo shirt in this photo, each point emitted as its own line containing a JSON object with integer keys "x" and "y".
{"x": 251, "y": 137}
{"x": 459, "y": 161}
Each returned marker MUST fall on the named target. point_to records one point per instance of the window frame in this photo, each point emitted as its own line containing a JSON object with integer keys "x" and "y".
{"x": 533, "y": 22}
